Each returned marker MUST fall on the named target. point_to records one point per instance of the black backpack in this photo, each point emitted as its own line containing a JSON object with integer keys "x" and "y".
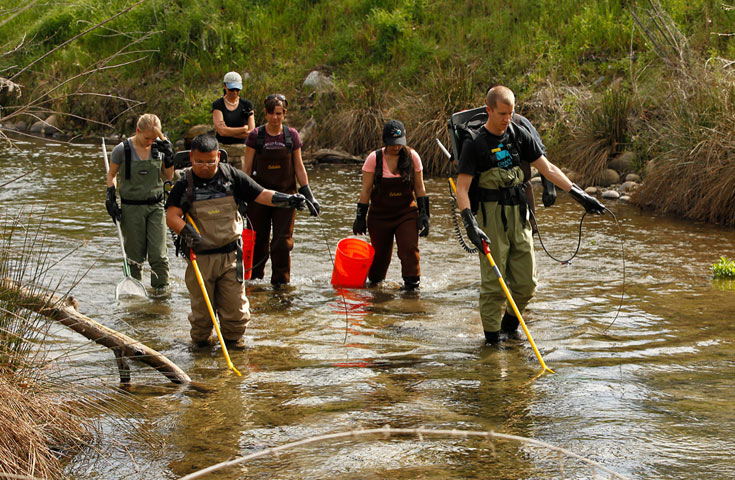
{"x": 467, "y": 124}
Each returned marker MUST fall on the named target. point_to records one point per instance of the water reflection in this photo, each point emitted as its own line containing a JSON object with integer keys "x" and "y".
{"x": 650, "y": 398}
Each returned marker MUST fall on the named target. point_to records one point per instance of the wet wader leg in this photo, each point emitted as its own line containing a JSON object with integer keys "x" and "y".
{"x": 381, "y": 238}
{"x": 492, "y": 297}
{"x": 157, "y": 251}
{"x": 282, "y": 244}
{"x": 233, "y": 308}
{"x": 260, "y": 219}
{"x": 521, "y": 265}
{"x": 199, "y": 319}
{"x": 407, "y": 239}
{"x": 133, "y": 225}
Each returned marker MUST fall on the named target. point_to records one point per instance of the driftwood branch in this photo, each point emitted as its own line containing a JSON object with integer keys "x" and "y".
{"x": 123, "y": 346}
{"x": 387, "y": 431}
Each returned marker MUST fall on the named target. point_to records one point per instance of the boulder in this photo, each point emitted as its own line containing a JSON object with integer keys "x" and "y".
{"x": 19, "y": 126}
{"x": 326, "y": 155}
{"x": 307, "y": 131}
{"x": 625, "y": 198}
{"x": 608, "y": 177}
{"x": 623, "y": 162}
{"x": 610, "y": 194}
{"x": 316, "y": 80}
{"x": 52, "y": 125}
{"x": 591, "y": 190}
{"x": 628, "y": 186}
{"x": 194, "y": 131}
{"x": 37, "y": 127}
{"x": 633, "y": 177}
{"x": 536, "y": 180}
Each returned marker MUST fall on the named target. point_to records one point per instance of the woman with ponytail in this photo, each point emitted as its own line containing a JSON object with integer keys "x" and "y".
{"x": 393, "y": 204}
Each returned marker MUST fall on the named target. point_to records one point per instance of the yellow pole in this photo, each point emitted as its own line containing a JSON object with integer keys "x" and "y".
{"x": 193, "y": 258}
{"x": 512, "y": 303}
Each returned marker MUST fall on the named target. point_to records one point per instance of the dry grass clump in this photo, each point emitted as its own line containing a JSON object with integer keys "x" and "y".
{"x": 693, "y": 169}
{"x": 599, "y": 133}
{"x": 356, "y": 131}
{"x": 38, "y": 432}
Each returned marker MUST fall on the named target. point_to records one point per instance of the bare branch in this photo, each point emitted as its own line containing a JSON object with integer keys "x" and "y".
{"x": 125, "y": 10}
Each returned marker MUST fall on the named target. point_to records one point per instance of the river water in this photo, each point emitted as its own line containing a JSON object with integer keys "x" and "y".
{"x": 648, "y": 397}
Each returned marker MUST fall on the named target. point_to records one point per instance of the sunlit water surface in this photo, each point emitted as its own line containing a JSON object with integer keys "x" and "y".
{"x": 648, "y": 397}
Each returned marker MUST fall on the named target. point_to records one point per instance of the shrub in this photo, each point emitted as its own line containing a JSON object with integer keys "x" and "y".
{"x": 724, "y": 268}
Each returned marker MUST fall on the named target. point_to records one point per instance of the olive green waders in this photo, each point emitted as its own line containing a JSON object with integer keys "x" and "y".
{"x": 512, "y": 249}
{"x": 143, "y": 221}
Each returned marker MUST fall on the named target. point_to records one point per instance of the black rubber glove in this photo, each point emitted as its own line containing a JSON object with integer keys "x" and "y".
{"x": 167, "y": 149}
{"x": 474, "y": 233}
{"x": 590, "y": 204}
{"x": 111, "y": 204}
{"x": 311, "y": 203}
{"x": 549, "y": 195}
{"x": 424, "y": 214}
{"x": 359, "y": 226}
{"x": 283, "y": 200}
{"x": 193, "y": 240}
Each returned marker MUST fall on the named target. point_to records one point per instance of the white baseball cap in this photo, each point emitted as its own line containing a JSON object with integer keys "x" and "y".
{"x": 233, "y": 80}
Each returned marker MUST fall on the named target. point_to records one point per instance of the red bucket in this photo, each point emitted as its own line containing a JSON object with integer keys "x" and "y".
{"x": 352, "y": 262}
{"x": 248, "y": 244}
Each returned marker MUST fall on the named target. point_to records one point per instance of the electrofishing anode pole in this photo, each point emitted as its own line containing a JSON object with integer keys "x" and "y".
{"x": 193, "y": 258}
{"x": 486, "y": 251}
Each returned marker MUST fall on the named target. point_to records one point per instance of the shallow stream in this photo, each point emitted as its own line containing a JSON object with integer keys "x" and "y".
{"x": 648, "y": 397}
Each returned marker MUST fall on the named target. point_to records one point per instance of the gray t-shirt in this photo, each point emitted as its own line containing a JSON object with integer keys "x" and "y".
{"x": 118, "y": 153}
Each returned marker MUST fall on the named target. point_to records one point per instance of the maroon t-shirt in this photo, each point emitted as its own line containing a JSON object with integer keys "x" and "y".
{"x": 273, "y": 142}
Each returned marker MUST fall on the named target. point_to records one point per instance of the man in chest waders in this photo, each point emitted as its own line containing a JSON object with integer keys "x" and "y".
{"x": 494, "y": 155}
{"x": 144, "y": 159}
{"x": 273, "y": 157}
{"x": 210, "y": 193}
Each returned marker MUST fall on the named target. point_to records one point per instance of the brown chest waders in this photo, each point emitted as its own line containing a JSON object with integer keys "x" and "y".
{"x": 273, "y": 170}
{"x": 393, "y": 213}
{"x": 221, "y": 269}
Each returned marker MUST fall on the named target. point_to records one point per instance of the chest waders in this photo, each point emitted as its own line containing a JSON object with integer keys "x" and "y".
{"x": 503, "y": 216}
{"x": 217, "y": 218}
{"x": 274, "y": 170}
{"x": 143, "y": 220}
{"x": 393, "y": 213}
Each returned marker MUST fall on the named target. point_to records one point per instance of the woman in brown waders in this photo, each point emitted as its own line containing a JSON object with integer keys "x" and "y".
{"x": 273, "y": 159}
{"x": 393, "y": 198}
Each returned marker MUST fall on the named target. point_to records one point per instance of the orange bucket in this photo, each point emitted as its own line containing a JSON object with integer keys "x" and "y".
{"x": 248, "y": 244}
{"x": 352, "y": 261}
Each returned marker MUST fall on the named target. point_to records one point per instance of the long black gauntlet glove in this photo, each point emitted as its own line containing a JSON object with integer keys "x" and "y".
{"x": 311, "y": 203}
{"x": 284, "y": 200}
{"x": 549, "y": 194}
{"x": 167, "y": 149}
{"x": 359, "y": 226}
{"x": 474, "y": 233}
{"x": 424, "y": 214}
{"x": 590, "y": 204}
{"x": 111, "y": 204}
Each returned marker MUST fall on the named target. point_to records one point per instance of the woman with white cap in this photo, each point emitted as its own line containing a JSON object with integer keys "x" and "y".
{"x": 233, "y": 119}
{"x": 393, "y": 204}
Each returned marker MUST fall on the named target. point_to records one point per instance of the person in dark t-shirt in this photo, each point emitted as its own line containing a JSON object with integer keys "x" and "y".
{"x": 233, "y": 119}
{"x": 209, "y": 193}
{"x": 494, "y": 156}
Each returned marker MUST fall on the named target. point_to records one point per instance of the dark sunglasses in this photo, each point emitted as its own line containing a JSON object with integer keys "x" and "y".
{"x": 233, "y": 89}
{"x": 277, "y": 96}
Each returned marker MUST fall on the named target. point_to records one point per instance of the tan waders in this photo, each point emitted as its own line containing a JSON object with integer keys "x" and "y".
{"x": 511, "y": 243}
{"x": 235, "y": 154}
{"x": 393, "y": 213}
{"x": 273, "y": 169}
{"x": 221, "y": 267}
{"x": 143, "y": 220}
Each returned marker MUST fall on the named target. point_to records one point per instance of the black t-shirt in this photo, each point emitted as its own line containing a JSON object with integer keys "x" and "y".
{"x": 243, "y": 187}
{"x": 233, "y": 118}
{"x": 474, "y": 157}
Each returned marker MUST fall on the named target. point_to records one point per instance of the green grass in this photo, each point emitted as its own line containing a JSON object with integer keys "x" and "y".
{"x": 724, "y": 268}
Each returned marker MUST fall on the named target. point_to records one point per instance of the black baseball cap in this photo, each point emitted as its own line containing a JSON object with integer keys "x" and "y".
{"x": 394, "y": 133}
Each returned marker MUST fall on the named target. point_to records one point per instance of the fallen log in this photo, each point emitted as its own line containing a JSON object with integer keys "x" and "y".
{"x": 124, "y": 347}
